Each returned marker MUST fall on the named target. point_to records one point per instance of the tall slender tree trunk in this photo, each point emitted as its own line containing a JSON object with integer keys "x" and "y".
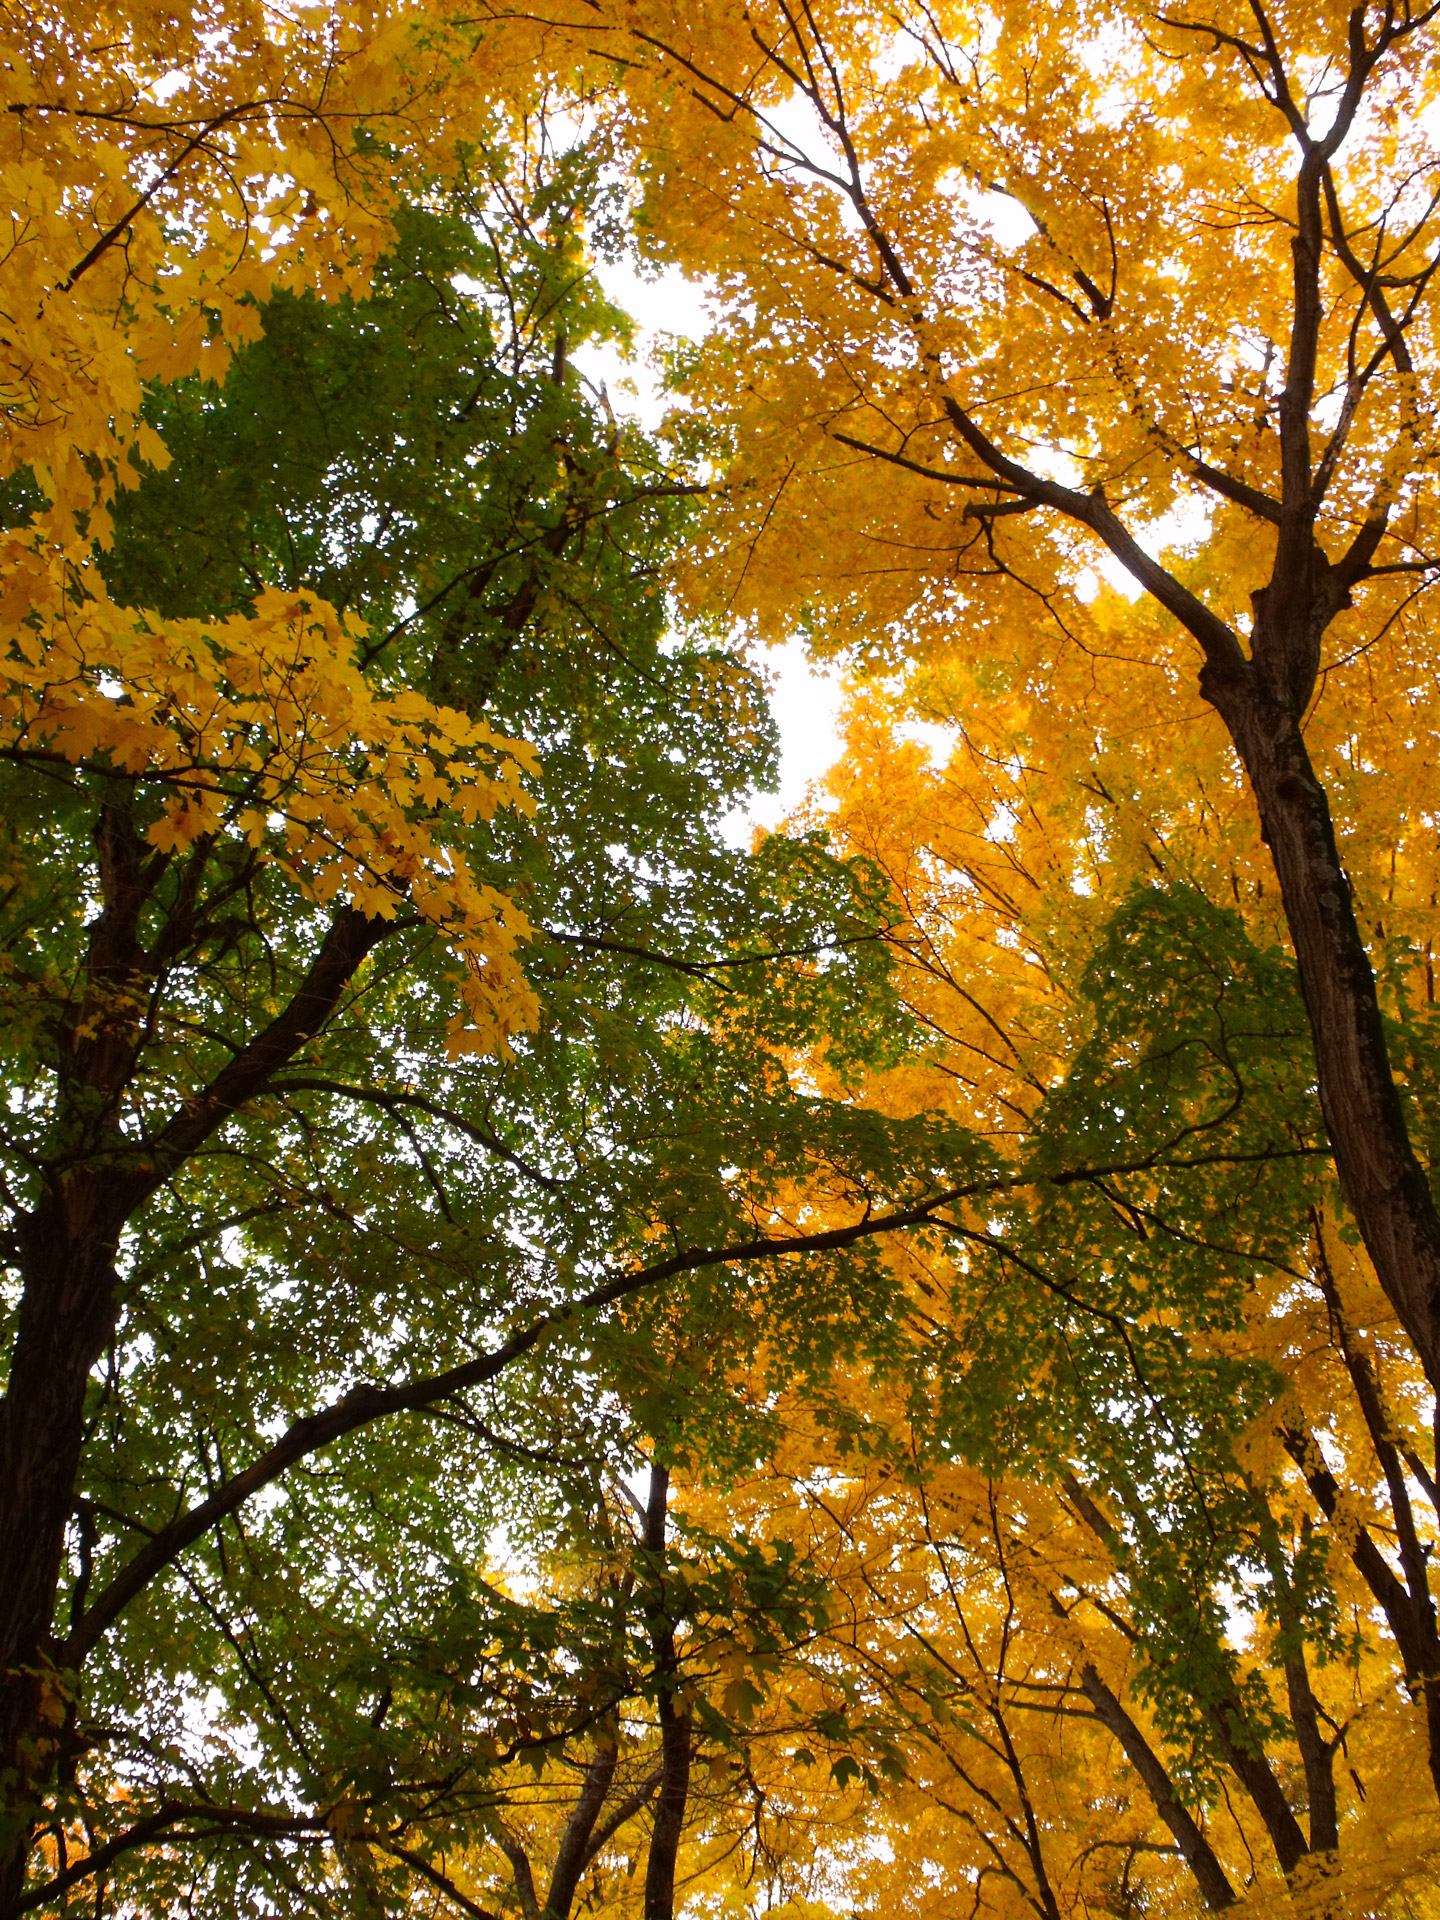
{"x": 1383, "y": 1182}
{"x": 674, "y": 1793}
{"x": 1195, "y": 1849}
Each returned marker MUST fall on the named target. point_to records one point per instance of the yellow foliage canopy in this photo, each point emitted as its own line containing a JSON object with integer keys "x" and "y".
{"x": 162, "y": 173}
{"x": 1013, "y": 303}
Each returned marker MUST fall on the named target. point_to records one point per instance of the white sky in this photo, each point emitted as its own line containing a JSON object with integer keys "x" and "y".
{"x": 806, "y": 703}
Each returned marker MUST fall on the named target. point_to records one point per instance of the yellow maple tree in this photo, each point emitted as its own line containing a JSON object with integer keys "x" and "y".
{"x": 1072, "y": 380}
{"x": 1008, "y": 289}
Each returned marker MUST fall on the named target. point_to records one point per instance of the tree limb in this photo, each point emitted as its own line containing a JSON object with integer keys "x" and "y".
{"x": 364, "y": 1405}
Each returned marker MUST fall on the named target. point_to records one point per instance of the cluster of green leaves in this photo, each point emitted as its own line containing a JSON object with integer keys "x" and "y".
{"x": 430, "y": 461}
{"x": 1094, "y": 1334}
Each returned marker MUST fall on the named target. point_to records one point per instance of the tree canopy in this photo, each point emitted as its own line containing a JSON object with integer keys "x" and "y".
{"x": 555, "y": 1362}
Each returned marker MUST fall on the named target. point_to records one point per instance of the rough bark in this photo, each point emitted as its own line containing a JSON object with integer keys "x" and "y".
{"x": 1382, "y": 1180}
{"x": 70, "y": 1296}
{"x": 1196, "y": 1850}
{"x": 674, "y": 1791}
{"x": 1409, "y": 1610}
{"x": 67, "y": 1315}
{"x": 1316, "y": 1754}
{"x": 1255, "y": 1774}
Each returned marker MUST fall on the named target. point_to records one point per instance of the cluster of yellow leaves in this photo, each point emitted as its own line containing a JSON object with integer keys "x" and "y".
{"x": 1094, "y": 219}
{"x": 1034, "y": 796}
{"x": 966, "y": 1613}
{"x": 263, "y": 727}
{"x": 162, "y": 171}
{"x": 1015, "y": 802}
{"x": 1071, "y": 223}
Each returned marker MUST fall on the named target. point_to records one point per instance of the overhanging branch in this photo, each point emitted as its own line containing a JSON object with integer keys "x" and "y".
{"x": 365, "y": 1405}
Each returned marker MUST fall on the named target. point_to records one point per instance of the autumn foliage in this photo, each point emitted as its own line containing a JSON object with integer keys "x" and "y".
{"x": 555, "y": 1361}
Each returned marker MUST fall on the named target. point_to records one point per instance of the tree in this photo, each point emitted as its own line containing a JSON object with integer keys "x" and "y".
{"x": 1003, "y": 301}
{"x": 424, "y": 481}
{"x": 1129, "y": 1561}
{"x": 925, "y": 425}
{"x": 672, "y": 1731}
{"x": 142, "y": 213}
{"x": 1273, "y": 373}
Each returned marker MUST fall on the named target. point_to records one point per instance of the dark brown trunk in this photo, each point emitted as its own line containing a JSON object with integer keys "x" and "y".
{"x": 1195, "y": 1849}
{"x": 1227, "y": 1717}
{"x": 574, "y": 1848}
{"x": 1414, "y": 1623}
{"x": 70, "y": 1294}
{"x": 1043, "y": 1899}
{"x": 1317, "y": 1756}
{"x": 1409, "y": 1610}
{"x": 520, "y": 1867}
{"x": 1256, "y": 1775}
{"x": 66, "y": 1320}
{"x": 1382, "y": 1181}
{"x": 674, "y": 1793}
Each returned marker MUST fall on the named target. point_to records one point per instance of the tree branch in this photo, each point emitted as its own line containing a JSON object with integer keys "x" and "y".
{"x": 1224, "y": 658}
{"x": 349, "y": 940}
{"x": 386, "y": 1099}
{"x": 164, "y": 1820}
{"x": 364, "y": 1405}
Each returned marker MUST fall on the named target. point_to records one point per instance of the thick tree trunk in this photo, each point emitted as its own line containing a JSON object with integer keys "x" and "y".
{"x": 67, "y": 1317}
{"x": 1384, "y": 1184}
{"x": 1196, "y": 1850}
{"x": 70, "y": 1298}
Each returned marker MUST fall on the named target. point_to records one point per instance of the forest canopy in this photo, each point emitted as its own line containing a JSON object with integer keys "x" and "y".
{"x": 560, "y": 1358}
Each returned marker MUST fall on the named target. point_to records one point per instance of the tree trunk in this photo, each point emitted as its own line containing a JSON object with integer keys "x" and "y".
{"x": 67, "y": 1317}
{"x": 1257, "y": 1776}
{"x": 670, "y": 1801}
{"x": 1383, "y": 1183}
{"x": 1197, "y": 1851}
{"x": 1316, "y": 1754}
{"x": 70, "y": 1292}
{"x": 574, "y": 1845}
